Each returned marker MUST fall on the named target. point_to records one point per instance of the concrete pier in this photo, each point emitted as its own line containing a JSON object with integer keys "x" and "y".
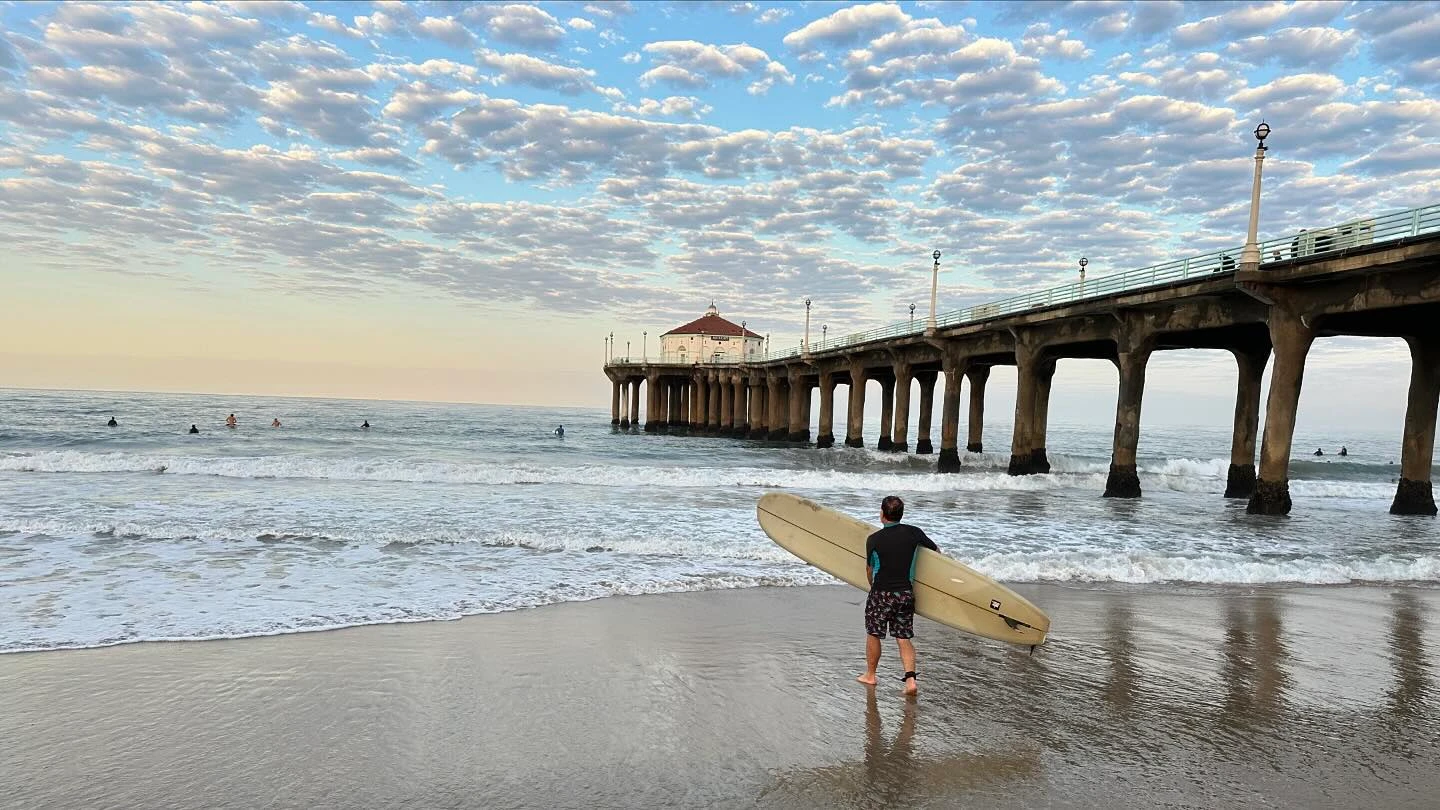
{"x": 1382, "y": 283}
{"x": 1250, "y": 362}
{"x": 900, "y": 433}
{"x": 977, "y": 376}
{"x": 949, "y": 460}
{"x": 923, "y": 445}
{"x": 1413, "y": 494}
{"x": 1291, "y": 337}
{"x": 825, "y": 432}
{"x": 855, "y": 419}
{"x": 887, "y": 414}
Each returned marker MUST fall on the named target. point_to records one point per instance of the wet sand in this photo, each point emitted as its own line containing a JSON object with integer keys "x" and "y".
{"x": 1275, "y": 697}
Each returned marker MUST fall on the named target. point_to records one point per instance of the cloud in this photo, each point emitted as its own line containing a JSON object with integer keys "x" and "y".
{"x": 1304, "y": 48}
{"x": 516, "y": 24}
{"x": 691, "y": 64}
{"x": 580, "y": 24}
{"x": 515, "y": 68}
{"x": 847, "y": 26}
{"x": 671, "y": 107}
{"x": 1252, "y": 19}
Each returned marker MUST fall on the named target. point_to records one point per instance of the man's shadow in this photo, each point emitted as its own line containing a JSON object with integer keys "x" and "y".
{"x": 892, "y": 774}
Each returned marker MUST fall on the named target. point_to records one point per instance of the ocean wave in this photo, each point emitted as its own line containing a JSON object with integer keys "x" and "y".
{"x": 1141, "y": 567}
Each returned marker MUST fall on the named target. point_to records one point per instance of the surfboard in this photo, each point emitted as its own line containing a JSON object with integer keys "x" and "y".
{"x": 946, "y": 590}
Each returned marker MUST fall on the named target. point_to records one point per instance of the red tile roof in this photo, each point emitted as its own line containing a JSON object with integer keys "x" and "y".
{"x": 712, "y": 324}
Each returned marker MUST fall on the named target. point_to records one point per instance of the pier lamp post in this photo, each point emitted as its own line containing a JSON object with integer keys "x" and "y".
{"x": 612, "y": 345}
{"x": 1250, "y": 256}
{"x": 627, "y": 351}
{"x": 644, "y": 353}
{"x": 823, "y": 327}
{"x": 607, "y": 349}
{"x": 934, "y": 286}
{"x": 704, "y": 348}
{"x": 767, "y": 343}
{"x": 1083, "y": 261}
{"x": 805, "y": 344}
{"x": 912, "y": 316}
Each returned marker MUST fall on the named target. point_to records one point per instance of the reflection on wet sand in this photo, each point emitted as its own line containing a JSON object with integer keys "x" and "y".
{"x": 1254, "y": 672}
{"x": 893, "y": 775}
{"x": 1407, "y": 654}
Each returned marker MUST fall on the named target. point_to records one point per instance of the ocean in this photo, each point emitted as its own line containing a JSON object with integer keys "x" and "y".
{"x": 144, "y": 532}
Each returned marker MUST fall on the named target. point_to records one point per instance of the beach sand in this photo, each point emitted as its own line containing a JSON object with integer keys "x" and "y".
{"x": 1185, "y": 697}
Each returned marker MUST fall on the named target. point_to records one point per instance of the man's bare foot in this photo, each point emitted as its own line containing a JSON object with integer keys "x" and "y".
{"x": 868, "y": 680}
{"x": 910, "y": 687}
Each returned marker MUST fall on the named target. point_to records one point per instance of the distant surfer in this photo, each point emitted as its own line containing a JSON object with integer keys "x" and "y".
{"x": 194, "y": 429}
{"x": 112, "y": 423}
{"x": 1319, "y": 452}
{"x": 560, "y": 431}
{"x": 275, "y": 423}
{"x": 365, "y": 425}
{"x": 230, "y": 421}
{"x": 1343, "y": 451}
{"x": 890, "y": 557}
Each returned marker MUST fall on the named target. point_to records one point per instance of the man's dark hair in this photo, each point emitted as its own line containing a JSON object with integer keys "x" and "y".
{"x": 892, "y": 509}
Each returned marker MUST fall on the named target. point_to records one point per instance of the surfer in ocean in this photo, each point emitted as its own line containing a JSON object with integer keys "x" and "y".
{"x": 889, "y": 561}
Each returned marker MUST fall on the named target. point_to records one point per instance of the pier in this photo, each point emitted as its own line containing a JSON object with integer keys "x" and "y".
{"x": 1373, "y": 277}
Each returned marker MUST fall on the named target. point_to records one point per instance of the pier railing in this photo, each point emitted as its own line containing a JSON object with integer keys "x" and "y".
{"x": 1352, "y": 234}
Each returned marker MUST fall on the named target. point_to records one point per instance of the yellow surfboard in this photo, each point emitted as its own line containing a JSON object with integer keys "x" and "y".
{"x": 946, "y": 591}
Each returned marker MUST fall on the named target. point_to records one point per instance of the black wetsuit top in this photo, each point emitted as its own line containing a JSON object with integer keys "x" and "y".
{"x": 890, "y": 553}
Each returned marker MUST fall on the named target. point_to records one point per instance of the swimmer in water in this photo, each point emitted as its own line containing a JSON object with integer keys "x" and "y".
{"x": 1343, "y": 451}
{"x": 365, "y": 425}
{"x": 194, "y": 429}
{"x": 560, "y": 431}
{"x": 1319, "y": 452}
{"x": 112, "y": 423}
{"x": 230, "y": 421}
{"x": 275, "y": 423}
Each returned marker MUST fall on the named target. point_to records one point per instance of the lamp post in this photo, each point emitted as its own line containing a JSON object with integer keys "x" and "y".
{"x": 823, "y": 328}
{"x": 627, "y": 351}
{"x": 607, "y": 349}
{"x": 612, "y": 345}
{"x": 704, "y": 347}
{"x": 644, "y": 352}
{"x": 934, "y": 286}
{"x": 767, "y": 343}
{"x": 1250, "y": 256}
{"x": 805, "y": 344}
{"x": 912, "y": 316}
{"x": 1083, "y": 261}
{"x": 744, "y": 344}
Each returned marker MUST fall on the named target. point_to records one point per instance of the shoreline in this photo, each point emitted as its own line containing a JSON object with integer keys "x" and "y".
{"x": 1314, "y": 696}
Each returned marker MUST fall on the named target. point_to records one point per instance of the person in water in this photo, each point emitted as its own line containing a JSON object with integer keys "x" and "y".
{"x": 1343, "y": 451}
{"x": 1319, "y": 452}
{"x": 560, "y": 431}
{"x": 194, "y": 429}
{"x": 275, "y": 423}
{"x": 365, "y": 425}
{"x": 890, "y": 557}
{"x": 230, "y": 421}
{"x": 112, "y": 423}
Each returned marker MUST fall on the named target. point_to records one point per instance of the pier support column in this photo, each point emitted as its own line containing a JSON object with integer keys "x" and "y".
{"x": 757, "y": 409}
{"x": 975, "y": 428}
{"x": 887, "y": 415}
{"x": 1291, "y": 339}
{"x": 798, "y": 430}
{"x": 900, "y": 433}
{"x": 923, "y": 445}
{"x": 777, "y": 410}
{"x": 1028, "y": 358}
{"x": 624, "y": 404}
{"x": 742, "y": 421}
{"x": 949, "y": 460}
{"x": 1124, "y": 481}
{"x": 652, "y": 403}
{"x": 614, "y": 402}
{"x": 855, "y": 419}
{"x": 686, "y": 389}
{"x": 1240, "y": 480}
{"x": 697, "y": 405}
{"x": 635, "y": 404}
{"x": 727, "y": 407}
{"x": 1414, "y": 495}
{"x": 825, "y": 437}
{"x": 1039, "y": 462}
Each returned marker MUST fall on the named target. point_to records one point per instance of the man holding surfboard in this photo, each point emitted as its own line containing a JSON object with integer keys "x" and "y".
{"x": 890, "y": 568}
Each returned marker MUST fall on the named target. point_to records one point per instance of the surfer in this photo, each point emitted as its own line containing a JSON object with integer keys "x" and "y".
{"x": 194, "y": 429}
{"x": 365, "y": 425}
{"x": 890, "y": 557}
{"x": 112, "y": 423}
{"x": 1343, "y": 451}
{"x": 230, "y": 421}
{"x": 560, "y": 431}
{"x": 274, "y": 423}
{"x": 1319, "y": 452}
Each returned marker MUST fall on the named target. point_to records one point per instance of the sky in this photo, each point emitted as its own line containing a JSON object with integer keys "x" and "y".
{"x": 461, "y": 201}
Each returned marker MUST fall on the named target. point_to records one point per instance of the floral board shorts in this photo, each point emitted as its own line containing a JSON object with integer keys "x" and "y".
{"x": 894, "y": 610}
